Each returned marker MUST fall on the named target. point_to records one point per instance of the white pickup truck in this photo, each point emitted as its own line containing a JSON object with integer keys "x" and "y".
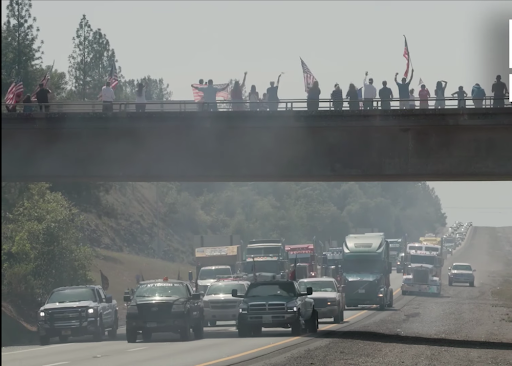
{"x": 77, "y": 311}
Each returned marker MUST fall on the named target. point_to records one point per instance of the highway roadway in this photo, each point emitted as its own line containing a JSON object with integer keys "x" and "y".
{"x": 221, "y": 346}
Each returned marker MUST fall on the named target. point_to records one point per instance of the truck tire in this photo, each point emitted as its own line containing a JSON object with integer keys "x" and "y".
{"x": 146, "y": 335}
{"x": 44, "y": 340}
{"x": 198, "y": 329}
{"x": 256, "y": 331}
{"x": 243, "y": 330}
{"x": 131, "y": 336}
{"x": 404, "y": 293}
{"x": 339, "y": 316}
{"x": 382, "y": 305}
{"x": 99, "y": 332}
{"x": 63, "y": 339}
{"x": 112, "y": 333}
{"x": 390, "y": 303}
{"x": 296, "y": 327}
{"x": 450, "y": 283}
{"x": 312, "y": 323}
{"x": 185, "y": 331}
{"x": 212, "y": 323}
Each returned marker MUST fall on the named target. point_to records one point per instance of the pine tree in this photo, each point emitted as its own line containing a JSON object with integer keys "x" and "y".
{"x": 21, "y": 49}
{"x": 80, "y": 68}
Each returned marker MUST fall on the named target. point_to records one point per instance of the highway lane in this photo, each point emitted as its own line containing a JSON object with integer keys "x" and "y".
{"x": 221, "y": 346}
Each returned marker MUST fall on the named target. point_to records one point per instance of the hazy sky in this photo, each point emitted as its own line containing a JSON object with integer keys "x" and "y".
{"x": 463, "y": 42}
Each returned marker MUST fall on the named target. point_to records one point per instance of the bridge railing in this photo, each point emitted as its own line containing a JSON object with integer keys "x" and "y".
{"x": 192, "y": 106}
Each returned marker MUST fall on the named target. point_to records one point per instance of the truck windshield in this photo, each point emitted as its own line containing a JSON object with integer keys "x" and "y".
{"x": 72, "y": 295}
{"x": 362, "y": 265}
{"x": 262, "y": 266}
{"x": 423, "y": 259}
{"x": 462, "y": 267}
{"x": 286, "y": 289}
{"x": 318, "y": 286}
{"x": 225, "y": 289}
{"x": 162, "y": 290}
{"x": 212, "y": 273}
{"x": 264, "y": 251}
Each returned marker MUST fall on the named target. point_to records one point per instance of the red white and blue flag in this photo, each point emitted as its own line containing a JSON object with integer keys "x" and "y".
{"x": 407, "y": 57}
{"x": 309, "y": 78}
{"x": 44, "y": 81}
{"x": 14, "y": 93}
{"x": 198, "y": 94}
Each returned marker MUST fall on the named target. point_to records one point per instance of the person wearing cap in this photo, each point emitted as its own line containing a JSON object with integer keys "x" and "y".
{"x": 499, "y": 89}
{"x": 370, "y": 92}
{"x": 337, "y": 97}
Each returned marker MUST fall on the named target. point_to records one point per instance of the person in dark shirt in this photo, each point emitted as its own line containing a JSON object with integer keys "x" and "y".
{"x": 42, "y": 98}
{"x": 337, "y": 97}
{"x": 403, "y": 90}
{"x": 461, "y": 96}
{"x": 353, "y": 97}
{"x": 273, "y": 99}
{"x": 314, "y": 97}
{"x": 500, "y": 90}
{"x": 27, "y": 107}
{"x": 385, "y": 95}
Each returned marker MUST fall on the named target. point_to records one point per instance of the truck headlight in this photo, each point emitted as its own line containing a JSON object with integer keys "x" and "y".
{"x": 331, "y": 302}
{"x": 243, "y": 308}
{"x": 291, "y": 306}
{"x": 132, "y": 311}
{"x": 42, "y": 314}
{"x": 91, "y": 311}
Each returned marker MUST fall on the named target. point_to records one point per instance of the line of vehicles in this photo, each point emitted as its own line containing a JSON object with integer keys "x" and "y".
{"x": 265, "y": 284}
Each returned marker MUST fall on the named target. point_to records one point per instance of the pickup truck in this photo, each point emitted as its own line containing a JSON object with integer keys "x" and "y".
{"x": 77, "y": 311}
{"x": 276, "y": 304}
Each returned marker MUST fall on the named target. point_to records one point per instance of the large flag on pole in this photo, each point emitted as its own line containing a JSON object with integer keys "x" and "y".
{"x": 407, "y": 56}
{"x": 309, "y": 78}
{"x": 112, "y": 77}
{"x": 14, "y": 93}
{"x": 44, "y": 81}
{"x": 198, "y": 94}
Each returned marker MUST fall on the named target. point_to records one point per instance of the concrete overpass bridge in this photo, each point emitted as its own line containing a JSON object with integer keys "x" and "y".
{"x": 287, "y": 145}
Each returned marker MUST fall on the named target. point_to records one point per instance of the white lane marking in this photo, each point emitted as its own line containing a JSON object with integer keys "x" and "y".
{"x": 136, "y": 349}
{"x": 55, "y": 364}
{"x": 35, "y": 349}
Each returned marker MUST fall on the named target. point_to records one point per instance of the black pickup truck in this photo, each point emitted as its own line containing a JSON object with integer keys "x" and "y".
{"x": 161, "y": 306}
{"x": 276, "y": 304}
{"x": 77, "y": 311}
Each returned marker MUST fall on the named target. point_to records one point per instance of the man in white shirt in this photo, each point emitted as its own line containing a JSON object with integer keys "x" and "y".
{"x": 108, "y": 96}
{"x": 370, "y": 92}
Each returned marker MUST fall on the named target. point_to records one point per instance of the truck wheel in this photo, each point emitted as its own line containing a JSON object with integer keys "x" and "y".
{"x": 63, "y": 339}
{"x": 112, "y": 333}
{"x": 471, "y": 284}
{"x": 199, "y": 329}
{"x": 256, "y": 331}
{"x": 296, "y": 327}
{"x": 382, "y": 305}
{"x": 390, "y": 303}
{"x": 185, "y": 331}
{"x": 99, "y": 332}
{"x": 313, "y": 322}
{"x": 338, "y": 318}
{"x": 44, "y": 340}
{"x": 212, "y": 323}
{"x": 450, "y": 282}
{"x": 146, "y": 335}
{"x": 404, "y": 293}
{"x": 243, "y": 330}
{"x": 131, "y": 336}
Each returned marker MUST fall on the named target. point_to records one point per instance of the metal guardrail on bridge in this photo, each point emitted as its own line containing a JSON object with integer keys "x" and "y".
{"x": 191, "y": 106}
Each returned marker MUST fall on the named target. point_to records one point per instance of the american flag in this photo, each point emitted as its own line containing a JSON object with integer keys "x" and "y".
{"x": 43, "y": 81}
{"x": 15, "y": 90}
{"x": 309, "y": 78}
{"x": 112, "y": 78}
{"x": 199, "y": 94}
{"x": 407, "y": 57}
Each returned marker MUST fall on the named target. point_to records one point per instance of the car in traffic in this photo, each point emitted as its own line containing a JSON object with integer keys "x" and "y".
{"x": 218, "y": 303}
{"x": 400, "y": 263}
{"x": 164, "y": 306}
{"x": 77, "y": 311}
{"x": 461, "y": 273}
{"x": 328, "y": 297}
{"x": 276, "y": 304}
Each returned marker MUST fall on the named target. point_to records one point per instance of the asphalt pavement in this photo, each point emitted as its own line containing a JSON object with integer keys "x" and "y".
{"x": 221, "y": 346}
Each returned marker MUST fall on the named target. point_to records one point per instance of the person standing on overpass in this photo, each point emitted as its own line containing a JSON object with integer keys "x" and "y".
{"x": 42, "y": 98}
{"x": 370, "y": 92}
{"x": 403, "y": 90}
{"x": 478, "y": 95}
{"x": 108, "y": 97}
{"x": 314, "y": 97}
{"x": 500, "y": 90}
{"x": 439, "y": 92}
{"x": 210, "y": 95}
{"x": 337, "y": 97}
{"x": 273, "y": 99}
{"x": 424, "y": 94}
{"x": 385, "y": 95}
{"x": 353, "y": 97}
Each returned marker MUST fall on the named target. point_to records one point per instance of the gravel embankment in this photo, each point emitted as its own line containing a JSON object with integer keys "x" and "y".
{"x": 465, "y": 326}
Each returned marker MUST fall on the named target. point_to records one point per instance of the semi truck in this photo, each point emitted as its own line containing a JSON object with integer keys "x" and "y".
{"x": 215, "y": 262}
{"x": 265, "y": 248}
{"x": 254, "y": 268}
{"x": 422, "y": 273}
{"x": 366, "y": 271}
{"x": 435, "y": 242}
{"x": 396, "y": 246}
{"x": 303, "y": 254}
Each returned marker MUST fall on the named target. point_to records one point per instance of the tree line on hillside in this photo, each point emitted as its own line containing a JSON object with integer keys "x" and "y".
{"x": 45, "y": 243}
{"x": 89, "y": 62}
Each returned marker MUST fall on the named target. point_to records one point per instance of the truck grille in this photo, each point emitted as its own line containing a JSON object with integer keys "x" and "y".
{"x": 354, "y": 289}
{"x": 155, "y": 312}
{"x": 262, "y": 307}
{"x": 320, "y": 303}
{"x": 67, "y": 316}
{"x": 223, "y": 304}
{"x": 420, "y": 276}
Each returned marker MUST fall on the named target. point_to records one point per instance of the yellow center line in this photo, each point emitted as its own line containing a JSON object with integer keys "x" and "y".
{"x": 279, "y": 343}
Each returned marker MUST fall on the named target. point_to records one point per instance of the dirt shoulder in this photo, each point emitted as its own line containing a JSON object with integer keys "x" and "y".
{"x": 465, "y": 326}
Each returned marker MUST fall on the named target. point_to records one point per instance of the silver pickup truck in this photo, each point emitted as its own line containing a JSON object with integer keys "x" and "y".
{"x": 77, "y": 311}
